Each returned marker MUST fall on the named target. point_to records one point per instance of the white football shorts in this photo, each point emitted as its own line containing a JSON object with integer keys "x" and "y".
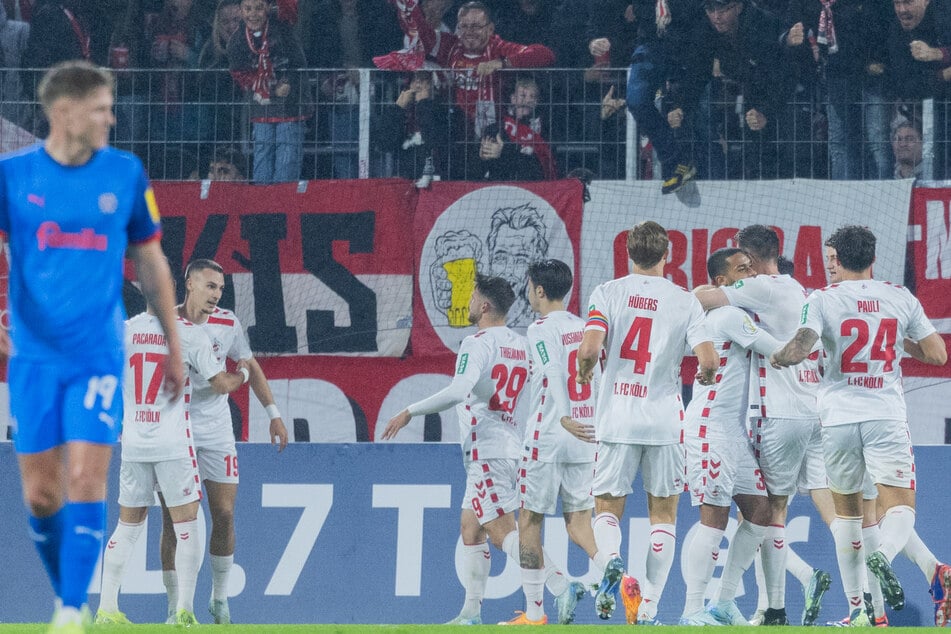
{"x": 617, "y": 464}
{"x": 540, "y": 484}
{"x": 177, "y": 480}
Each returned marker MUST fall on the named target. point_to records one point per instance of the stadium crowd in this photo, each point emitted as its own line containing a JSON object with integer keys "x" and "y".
{"x": 506, "y": 89}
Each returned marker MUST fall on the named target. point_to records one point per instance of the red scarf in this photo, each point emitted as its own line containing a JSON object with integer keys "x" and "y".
{"x": 81, "y": 34}
{"x": 530, "y": 141}
{"x": 261, "y": 84}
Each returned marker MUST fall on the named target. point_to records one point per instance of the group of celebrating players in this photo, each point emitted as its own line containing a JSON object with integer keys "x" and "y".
{"x": 605, "y": 405}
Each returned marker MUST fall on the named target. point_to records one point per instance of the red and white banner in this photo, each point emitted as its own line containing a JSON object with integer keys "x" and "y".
{"x": 929, "y": 251}
{"x": 462, "y": 228}
{"x": 355, "y": 293}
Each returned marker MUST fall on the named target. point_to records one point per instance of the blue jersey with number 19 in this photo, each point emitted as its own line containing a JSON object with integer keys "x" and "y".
{"x": 68, "y": 229}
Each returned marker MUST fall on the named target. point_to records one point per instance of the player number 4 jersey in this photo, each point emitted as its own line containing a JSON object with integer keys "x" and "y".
{"x": 650, "y": 323}
{"x": 863, "y": 324}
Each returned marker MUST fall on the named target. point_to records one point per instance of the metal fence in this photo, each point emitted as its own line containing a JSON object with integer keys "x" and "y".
{"x": 178, "y": 121}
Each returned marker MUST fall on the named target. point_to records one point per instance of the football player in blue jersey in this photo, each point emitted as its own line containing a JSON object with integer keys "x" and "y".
{"x": 71, "y": 208}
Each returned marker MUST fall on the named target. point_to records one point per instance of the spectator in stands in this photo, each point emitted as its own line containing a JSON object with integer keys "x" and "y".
{"x": 222, "y": 117}
{"x": 662, "y": 31}
{"x": 907, "y": 148}
{"x": 127, "y": 52}
{"x": 414, "y": 128}
{"x": 499, "y": 159}
{"x": 525, "y": 20}
{"x": 174, "y": 39}
{"x": 13, "y": 40}
{"x": 919, "y": 49}
{"x": 745, "y": 45}
{"x": 523, "y": 127}
{"x": 473, "y": 53}
{"x": 265, "y": 59}
{"x": 346, "y": 35}
{"x": 59, "y": 31}
{"x": 919, "y": 65}
{"x": 847, "y": 39}
{"x": 228, "y": 164}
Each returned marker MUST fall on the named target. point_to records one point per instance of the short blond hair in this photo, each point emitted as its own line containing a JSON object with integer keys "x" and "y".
{"x": 74, "y": 79}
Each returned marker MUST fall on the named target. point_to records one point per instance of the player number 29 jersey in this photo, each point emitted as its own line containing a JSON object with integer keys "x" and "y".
{"x": 155, "y": 428}
{"x": 553, "y": 342}
{"x": 650, "y": 323}
{"x": 863, "y": 324}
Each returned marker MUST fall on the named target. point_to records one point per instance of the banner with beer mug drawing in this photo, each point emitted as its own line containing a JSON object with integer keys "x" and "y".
{"x": 495, "y": 230}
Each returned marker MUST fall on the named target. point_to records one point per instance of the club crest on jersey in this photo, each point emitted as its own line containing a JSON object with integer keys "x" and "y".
{"x": 463, "y": 362}
{"x": 542, "y": 351}
{"x": 108, "y": 203}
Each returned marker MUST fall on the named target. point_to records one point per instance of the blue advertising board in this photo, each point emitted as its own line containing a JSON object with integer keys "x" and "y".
{"x": 321, "y": 527}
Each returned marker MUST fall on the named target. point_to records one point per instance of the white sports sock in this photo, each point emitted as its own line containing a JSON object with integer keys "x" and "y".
{"x": 188, "y": 557}
{"x": 774, "y": 565}
{"x": 220, "y": 570}
{"x": 660, "y": 557}
{"x": 896, "y": 527}
{"x": 476, "y": 562}
{"x": 743, "y": 546}
{"x": 170, "y": 580}
{"x": 798, "y": 567}
{"x": 871, "y": 543}
{"x": 921, "y": 555}
{"x": 555, "y": 580}
{"x": 607, "y": 534}
{"x": 701, "y": 557}
{"x": 762, "y": 601}
{"x": 533, "y": 584}
{"x": 847, "y": 533}
{"x": 116, "y": 556}
{"x": 600, "y": 560}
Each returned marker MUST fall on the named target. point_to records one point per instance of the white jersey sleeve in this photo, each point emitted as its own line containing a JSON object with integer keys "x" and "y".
{"x": 469, "y": 365}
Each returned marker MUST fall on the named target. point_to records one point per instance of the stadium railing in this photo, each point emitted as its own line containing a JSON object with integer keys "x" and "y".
{"x": 176, "y": 121}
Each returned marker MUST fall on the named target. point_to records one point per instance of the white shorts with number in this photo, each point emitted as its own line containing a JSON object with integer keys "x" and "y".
{"x": 812, "y": 475}
{"x": 719, "y": 468}
{"x": 491, "y": 488}
{"x": 176, "y": 479}
{"x": 219, "y": 462}
{"x": 616, "y": 465}
{"x": 780, "y": 446}
{"x": 880, "y": 447}
{"x": 540, "y": 484}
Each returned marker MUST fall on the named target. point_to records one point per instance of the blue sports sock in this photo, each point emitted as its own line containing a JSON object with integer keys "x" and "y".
{"x": 47, "y": 535}
{"x": 83, "y": 530}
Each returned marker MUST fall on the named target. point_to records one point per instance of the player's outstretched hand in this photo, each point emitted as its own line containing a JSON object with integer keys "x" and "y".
{"x": 581, "y": 431}
{"x": 396, "y": 423}
{"x": 278, "y": 434}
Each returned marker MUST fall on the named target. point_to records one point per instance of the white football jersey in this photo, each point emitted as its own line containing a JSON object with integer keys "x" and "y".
{"x": 650, "y": 323}
{"x": 863, "y": 325}
{"x": 719, "y": 410}
{"x": 210, "y": 413}
{"x": 553, "y": 343}
{"x": 776, "y": 302}
{"x": 153, "y": 427}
